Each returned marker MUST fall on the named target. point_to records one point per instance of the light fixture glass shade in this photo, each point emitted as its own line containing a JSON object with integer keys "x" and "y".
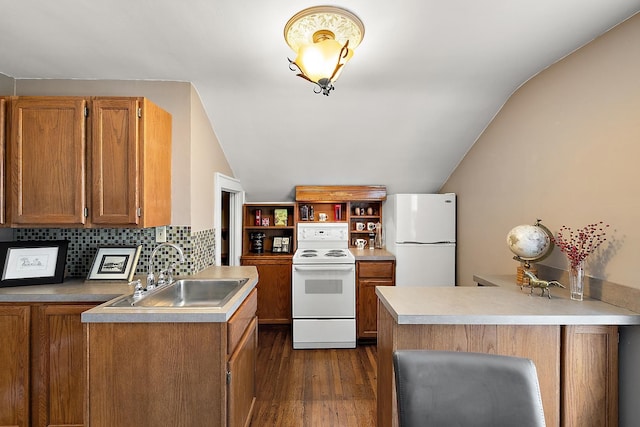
{"x": 319, "y": 60}
{"x": 323, "y": 38}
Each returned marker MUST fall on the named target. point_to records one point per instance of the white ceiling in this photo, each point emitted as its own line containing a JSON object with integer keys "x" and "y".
{"x": 427, "y": 79}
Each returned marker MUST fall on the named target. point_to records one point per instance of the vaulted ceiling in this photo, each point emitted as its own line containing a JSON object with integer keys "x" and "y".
{"x": 427, "y": 79}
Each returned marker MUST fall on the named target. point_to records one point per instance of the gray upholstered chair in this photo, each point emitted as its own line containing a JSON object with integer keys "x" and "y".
{"x": 442, "y": 388}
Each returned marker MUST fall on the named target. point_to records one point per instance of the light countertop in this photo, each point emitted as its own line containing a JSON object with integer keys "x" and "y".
{"x": 79, "y": 290}
{"x": 70, "y": 290}
{"x": 367, "y": 254}
{"x": 500, "y": 301}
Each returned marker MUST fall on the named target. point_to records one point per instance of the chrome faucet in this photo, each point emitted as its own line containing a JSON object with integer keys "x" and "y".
{"x": 162, "y": 277}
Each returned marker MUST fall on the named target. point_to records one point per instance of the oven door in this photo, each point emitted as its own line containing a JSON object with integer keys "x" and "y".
{"x": 324, "y": 291}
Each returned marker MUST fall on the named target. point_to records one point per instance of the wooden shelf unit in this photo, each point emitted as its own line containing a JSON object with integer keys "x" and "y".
{"x": 366, "y": 198}
{"x": 274, "y": 268}
{"x": 249, "y": 226}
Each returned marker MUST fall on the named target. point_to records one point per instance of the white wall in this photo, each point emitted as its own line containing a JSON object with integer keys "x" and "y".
{"x": 207, "y": 158}
{"x": 564, "y": 148}
{"x": 6, "y": 85}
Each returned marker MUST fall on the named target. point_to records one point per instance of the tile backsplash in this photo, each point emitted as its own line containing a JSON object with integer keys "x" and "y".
{"x": 198, "y": 247}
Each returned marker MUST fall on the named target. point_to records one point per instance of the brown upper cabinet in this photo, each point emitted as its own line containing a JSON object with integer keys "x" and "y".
{"x": 81, "y": 162}
{"x": 47, "y": 169}
{"x": 130, "y": 162}
{"x": 3, "y": 148}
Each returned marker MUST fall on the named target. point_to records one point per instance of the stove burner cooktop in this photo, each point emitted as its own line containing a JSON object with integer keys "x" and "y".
{"x": 323, "y": 256}
{"x": 336, "y": 253}
{"x": 308, "y": 253}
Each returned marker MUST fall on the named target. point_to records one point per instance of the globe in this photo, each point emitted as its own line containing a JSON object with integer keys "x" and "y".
{"x": 530, "y": 242}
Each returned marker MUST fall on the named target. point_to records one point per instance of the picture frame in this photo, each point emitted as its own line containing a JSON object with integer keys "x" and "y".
{"x": 115, "y": 263}
{"x": 286, "y": 245}
{"x": 277, "y": 244}
{"x": 33, "y": 262}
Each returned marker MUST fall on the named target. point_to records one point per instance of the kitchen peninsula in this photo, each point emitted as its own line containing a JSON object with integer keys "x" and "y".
{"x": 82, "y": 363}
{"x": 573, "y": 344}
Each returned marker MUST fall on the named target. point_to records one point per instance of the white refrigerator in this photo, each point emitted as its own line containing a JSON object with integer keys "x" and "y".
{"x": 420, "y": 230}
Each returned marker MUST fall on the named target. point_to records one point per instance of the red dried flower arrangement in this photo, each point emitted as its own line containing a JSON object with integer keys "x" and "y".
{"x": 579, "y": 244}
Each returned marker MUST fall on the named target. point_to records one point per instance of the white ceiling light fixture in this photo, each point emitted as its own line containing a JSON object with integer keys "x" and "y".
{"x": 324, "y": 38}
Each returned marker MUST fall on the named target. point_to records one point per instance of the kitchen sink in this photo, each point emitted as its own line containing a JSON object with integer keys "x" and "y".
{"x": 186, "y": 293}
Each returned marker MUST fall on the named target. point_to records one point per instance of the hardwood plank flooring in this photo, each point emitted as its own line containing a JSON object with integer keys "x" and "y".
{"x": 309, "y": 388}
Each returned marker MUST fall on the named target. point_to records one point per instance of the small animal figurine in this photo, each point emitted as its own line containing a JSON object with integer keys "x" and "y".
{"x": 544, "y": 285}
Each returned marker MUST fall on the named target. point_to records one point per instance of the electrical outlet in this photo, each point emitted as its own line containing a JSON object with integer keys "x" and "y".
{"x": 161, "y": 234}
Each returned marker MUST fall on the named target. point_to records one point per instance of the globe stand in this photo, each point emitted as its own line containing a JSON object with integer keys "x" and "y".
{"x": 521, "y": 279}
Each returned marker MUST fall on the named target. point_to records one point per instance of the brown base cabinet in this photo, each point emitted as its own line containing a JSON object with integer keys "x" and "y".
{"x": 173, "y": 374}
{"x": 42, "y": 357}
{"x": 274, "y": 283}
{"x": 370, "y": 274}
{"x": 15, "y": 361}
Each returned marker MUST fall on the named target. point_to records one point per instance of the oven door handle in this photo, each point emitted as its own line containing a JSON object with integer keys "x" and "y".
{"x": 332, "y": 267}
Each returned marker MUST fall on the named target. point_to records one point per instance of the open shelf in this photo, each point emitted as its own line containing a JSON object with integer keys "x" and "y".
{"x": 266, "y": 214}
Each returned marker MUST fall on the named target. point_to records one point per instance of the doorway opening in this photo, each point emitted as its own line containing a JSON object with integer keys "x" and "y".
{"x": 227, "y": 219}
{"x": 224, "y": 228}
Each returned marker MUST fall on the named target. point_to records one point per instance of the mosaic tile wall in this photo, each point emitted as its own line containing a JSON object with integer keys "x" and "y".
{"x": 198, "y": 248}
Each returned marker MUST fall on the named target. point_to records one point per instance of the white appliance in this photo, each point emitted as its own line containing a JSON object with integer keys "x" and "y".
{"x": 420, "y": 230}
{"x": 323, "y": 287}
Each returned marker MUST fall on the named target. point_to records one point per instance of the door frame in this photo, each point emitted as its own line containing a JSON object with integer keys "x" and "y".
{"x": 236, "y": 201}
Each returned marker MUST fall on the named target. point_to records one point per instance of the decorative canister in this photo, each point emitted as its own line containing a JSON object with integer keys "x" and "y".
{"x": 257, "y": 242}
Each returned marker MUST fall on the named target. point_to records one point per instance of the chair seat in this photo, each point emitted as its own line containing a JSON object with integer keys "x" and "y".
{"x": 442, "y": 388}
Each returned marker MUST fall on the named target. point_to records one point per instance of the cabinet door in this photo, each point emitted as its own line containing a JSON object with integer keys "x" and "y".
{"x": 59, "y": 380}
{"x": 3, "y": 150}
{"x": 274, "y": 288}
{"x": 14, "y": 359}
{"x": 241, "y": 378}
{"x": 367, "y": 307}
{"x": 115, "y": 161}
{"x": 371, "y": 274}
{"x": 47, "y": 161}
{"x": 590, "y": 375}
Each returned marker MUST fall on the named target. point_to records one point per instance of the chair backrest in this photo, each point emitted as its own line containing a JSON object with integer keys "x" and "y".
{"x": 443, "y": 388}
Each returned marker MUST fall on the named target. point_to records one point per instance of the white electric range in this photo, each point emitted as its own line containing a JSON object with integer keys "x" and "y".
{"x": 323, "y": 287}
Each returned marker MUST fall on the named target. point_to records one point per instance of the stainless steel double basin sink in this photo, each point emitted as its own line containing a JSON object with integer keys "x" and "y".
{"x": 200, "y": 293}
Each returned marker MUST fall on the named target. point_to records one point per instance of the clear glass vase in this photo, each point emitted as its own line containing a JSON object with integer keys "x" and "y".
{"x": 576, "y": 281}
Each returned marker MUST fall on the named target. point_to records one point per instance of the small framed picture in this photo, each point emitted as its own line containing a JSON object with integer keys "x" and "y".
{"x": 286, "y": 246}
{"x": 115, "y": 263}
{"x": 277, "y": 244}
{"x": 33, "y": 262}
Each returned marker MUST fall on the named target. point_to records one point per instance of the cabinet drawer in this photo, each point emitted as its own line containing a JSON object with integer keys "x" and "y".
{"x": 241, "y": 319}
{"x": 375, "y": 269}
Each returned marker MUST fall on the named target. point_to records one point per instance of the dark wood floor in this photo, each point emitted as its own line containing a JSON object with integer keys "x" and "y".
{"x": 308, "y": 388}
